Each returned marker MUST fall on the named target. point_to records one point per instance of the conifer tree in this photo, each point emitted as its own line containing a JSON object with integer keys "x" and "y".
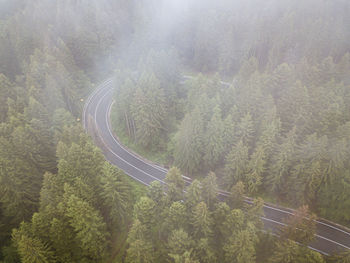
{"x": 175, "y": 185}
{"x": 179, "y": 242}
{"x": 32, "y": 250}
{"x": 193, "y": 194}
{"x": 91, "y": 232}
{"x": 140, "y": 248}
{"x": 201, "y": 221}
{"x": 144, "y": 212}
{"x": 209, "y": 190}
{"x": 240, "y": 247}
{"x": 236, "y": 164}
{"x": 236, "y": 199}
{"x": 256, "y": 169}
{"x": 116, "y": 195}
{"x": 214, "y": 139}
{"x": 189, "y": 143}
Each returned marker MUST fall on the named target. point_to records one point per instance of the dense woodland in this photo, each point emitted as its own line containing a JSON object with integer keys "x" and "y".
{"x": 278, "y": 128}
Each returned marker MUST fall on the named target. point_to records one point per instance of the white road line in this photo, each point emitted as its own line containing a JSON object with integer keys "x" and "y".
{"x": 127, "y": 150}
{"x": 95, "y": 118}
{"x": 224, "y": 193}
{"x": 100, "y": 88}
{"x": 321, "y": 237}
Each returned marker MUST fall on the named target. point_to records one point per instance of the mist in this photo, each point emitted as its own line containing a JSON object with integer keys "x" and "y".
{"x": 105, "y": 105}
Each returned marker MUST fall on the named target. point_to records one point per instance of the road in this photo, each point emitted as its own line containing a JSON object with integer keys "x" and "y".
{"x": 330, "y": 237}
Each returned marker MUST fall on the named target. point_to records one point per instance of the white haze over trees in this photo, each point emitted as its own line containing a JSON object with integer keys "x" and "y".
{"x": 279, "y": 128}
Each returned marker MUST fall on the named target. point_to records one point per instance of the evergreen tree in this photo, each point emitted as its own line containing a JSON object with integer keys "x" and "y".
{"x": 256, "y": 170}
{"x": 179, "y": 242}
{"x": 236, "y": 164}
{"x": 116, "y": 195}
{"x": 89, "y": 226}
{"x": 149, "y": 110}
{"x": 193, "y": 194}
{"x": 6, "y": 91}
{"x": 214, "y": 139}
{"x": 176, "y": 217}
{"x": 209, "y": 190}
{"x": 236, "y": 198}
{"x": 280, "y": 163}
{"x": 245, "y": 131}
{"x": 144, "y": 212}
{"x": 204, "y": 252}
{"x": 31, "y": 249}
{"x": 201, "y": 221}
{"x": 175, "y": 185}
{"x": 140, "y": 248}
{"x": 189, "y": 143}
{"x": 241, "y": 247}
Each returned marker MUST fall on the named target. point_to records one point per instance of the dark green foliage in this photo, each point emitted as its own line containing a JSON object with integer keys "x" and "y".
{"x": 280, "y": 127}
{"x": 189, "y": 143}
{"x": 116, "y": 195}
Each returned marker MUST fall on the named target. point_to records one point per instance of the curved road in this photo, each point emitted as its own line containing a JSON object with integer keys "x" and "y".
{"x": 330, "y": 238}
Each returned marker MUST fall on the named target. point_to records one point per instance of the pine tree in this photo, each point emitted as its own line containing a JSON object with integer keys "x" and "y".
{"x": 89, "y": 226}
{"x": 236, "y": 198}
{"x": 176, "y": 217}
{"x": 234, "y": 222}
{"x": 179, "y": 242}
{"x": 175, "y": 185}
{"x": 256, "y": 169}
{"x": 214, "y": 139}
{"x": 6, "y": 91}
{"x": 204, "y": 252}
{"x": 245, "y": 131}
{"x": 189, "y": 143}
{"x": 140, "y": 248}
{"x": 149, "y": 110}
{"x": 286, "y": 251}
{"x": 144, "y": 212}
{"x": 334, "y": 198}
{"x": 32, "y": 250}
{"x": 116, "y": 195}
{"x": 140, "y": 251}
{"x": 236, "y": 164}
{"x": 281, "y": 78}
{"x": 83, "y": 161}
{"x": 229, "y": 134}
{"x": 156, "y": 193}
{"x": 256, "y": 212}
{"x": 209, "y": 190}
{"x": 240, "y": 247}
{"x": 280, "y": 163}
{"x": 201, "y": 221}
{"x": 193, "y": 195}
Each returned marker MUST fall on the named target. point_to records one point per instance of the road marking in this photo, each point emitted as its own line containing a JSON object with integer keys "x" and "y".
{"x": 224, "y": 193}
{"x": 95, "y": 118}
{"x": 127, "y": 150}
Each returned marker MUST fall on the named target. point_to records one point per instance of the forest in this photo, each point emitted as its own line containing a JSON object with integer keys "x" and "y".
{"x": 252, "y": 97}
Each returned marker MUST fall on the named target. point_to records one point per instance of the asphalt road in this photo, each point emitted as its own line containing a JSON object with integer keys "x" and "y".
{"x": 330, "y": 237}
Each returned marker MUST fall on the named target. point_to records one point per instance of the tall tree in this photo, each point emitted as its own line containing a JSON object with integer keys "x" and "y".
{"x": 236, "y": 164}
{"x": 116, "y": 195}
{"x": 89, "y": 226}
{"x": 214, "y": 139}
{"x": 201, "y": 221}
{"x": 175, "y": 185}
{"x": 189, "y": 143}
{"x": 210, "y": 190}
